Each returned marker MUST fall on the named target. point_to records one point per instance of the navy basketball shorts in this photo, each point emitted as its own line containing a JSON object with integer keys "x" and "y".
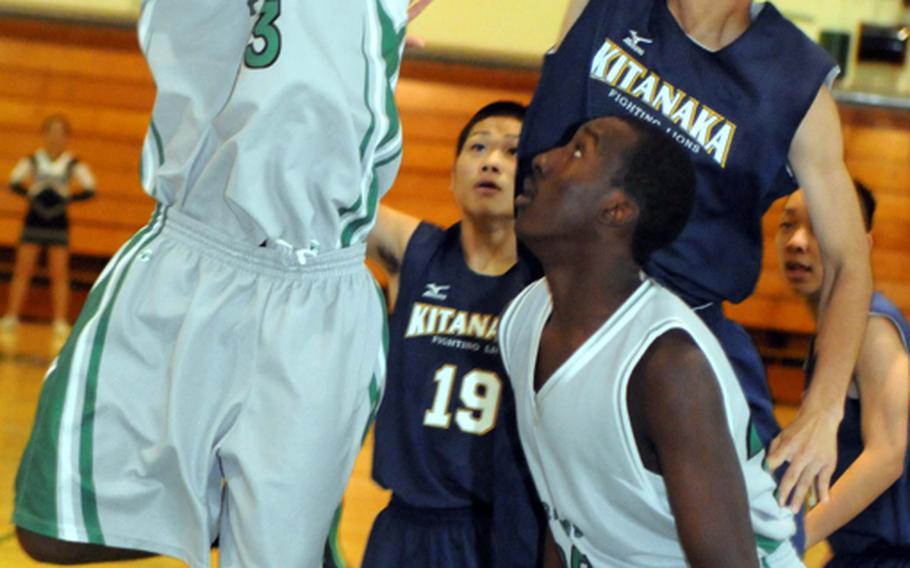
{"x": 437, "y": 538}
{"x": 885, "y": 558}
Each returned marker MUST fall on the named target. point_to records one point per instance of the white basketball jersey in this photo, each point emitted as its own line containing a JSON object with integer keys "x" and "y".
{"x": 275, "y": 119}
{"x": 604, "y": 508}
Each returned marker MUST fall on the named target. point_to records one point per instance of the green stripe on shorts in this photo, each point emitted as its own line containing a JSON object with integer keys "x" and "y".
{"x": 36, "y": 480}
{"x": 89, "y": 504}
{"x": 333, "y": 548}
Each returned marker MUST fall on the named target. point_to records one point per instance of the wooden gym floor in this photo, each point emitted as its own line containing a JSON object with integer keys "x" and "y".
{"x": 23, "y": 360}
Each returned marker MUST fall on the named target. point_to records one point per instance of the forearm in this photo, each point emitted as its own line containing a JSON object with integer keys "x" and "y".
{"x": 843, "y": 312}
{"x": 873, "y": 472}
{"x": 84, "y": 195}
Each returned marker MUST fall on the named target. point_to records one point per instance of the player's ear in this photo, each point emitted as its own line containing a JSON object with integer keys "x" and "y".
{"x": 617, "y": 208}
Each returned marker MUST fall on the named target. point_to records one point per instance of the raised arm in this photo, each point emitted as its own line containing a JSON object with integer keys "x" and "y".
{"x": 884, "y": 388}
{"x": 576, "y": 7}
{"x": 809, "y": 444}
{"x": 683, "y": 435}
{"x": 387, "y": 243}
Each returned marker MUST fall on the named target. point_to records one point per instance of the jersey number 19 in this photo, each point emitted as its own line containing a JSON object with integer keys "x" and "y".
{"x": 479, "y": 395}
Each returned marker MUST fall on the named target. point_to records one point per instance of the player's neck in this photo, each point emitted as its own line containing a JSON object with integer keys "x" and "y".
{"x": 490, "y": 248}
{"x": 585, "y": 294}
{"x": 713, "y": 24}
{"x": 53, "y": 155}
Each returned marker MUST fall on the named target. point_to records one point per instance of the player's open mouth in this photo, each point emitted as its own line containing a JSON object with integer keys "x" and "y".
{"x": 797, "y": 270}
{"x": 487, "y": 186}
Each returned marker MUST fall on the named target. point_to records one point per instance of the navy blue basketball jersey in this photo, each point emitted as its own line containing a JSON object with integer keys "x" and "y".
{"x": 446, "y": 435}
{"x": 736, "y": 110}
{"x": 886, "y": 522}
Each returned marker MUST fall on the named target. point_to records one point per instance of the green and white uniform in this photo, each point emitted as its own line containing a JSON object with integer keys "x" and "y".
{"x": 214, "y": 387}
{"x": 604, "y": 507}
{"x": 279, "y": 126}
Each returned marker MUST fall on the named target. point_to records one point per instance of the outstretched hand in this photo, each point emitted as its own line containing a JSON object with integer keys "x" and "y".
{"x": 416, "y": 7}
{"x": 809, "y": 446}
{"x": 414, "y": 10}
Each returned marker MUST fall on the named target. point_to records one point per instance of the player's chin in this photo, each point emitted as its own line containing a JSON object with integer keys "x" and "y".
{"x": 523, "y": 222}
{"x": 499, "y": 210}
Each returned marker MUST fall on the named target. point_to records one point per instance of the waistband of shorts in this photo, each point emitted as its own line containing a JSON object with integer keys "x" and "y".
{"x": 269, "y": 261}
{"x": 437, "y": 514}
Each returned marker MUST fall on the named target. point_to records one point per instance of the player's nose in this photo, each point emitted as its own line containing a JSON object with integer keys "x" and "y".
{"x": 492, "y": 163}
{"x": 541, "y": 163}
{"x": 799, "y": 240}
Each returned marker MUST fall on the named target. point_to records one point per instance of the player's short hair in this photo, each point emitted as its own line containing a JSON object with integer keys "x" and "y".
{"x": 57, "y": 118}
{"x": 508, "y": 109}
{"x": 660, "y": 177}
{"x": 866, "y": 203}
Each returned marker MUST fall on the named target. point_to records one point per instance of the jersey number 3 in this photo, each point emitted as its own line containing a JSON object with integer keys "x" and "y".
{"x": 265, "y": 47}
{"x": 479, "y": 396}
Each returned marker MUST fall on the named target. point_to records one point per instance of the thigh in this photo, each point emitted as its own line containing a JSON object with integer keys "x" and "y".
{"x": 120, "y": 454}
{"x": 27, "y": 255}
{"x": 58, "y": 258}
{"x": 314, "y": 388}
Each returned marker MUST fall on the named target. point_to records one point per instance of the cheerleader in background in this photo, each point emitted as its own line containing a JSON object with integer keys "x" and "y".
{"x": 45, "y": 179}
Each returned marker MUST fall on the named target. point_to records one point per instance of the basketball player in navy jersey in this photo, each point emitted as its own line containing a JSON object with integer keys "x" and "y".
{"x": 867, "y": 517}
{"x": 745, "y": 92}
{"x": 446, "y": 443}
{"x": 635, "y": 428}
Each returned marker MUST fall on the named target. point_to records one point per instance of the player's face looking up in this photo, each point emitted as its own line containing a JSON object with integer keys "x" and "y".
{"x": 797, "y": 248}
{"x": 483, "y": 177}
{"x": 565, "y": 192}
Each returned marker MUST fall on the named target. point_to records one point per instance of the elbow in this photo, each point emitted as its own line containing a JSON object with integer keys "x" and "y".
{"x": 860, "y": 265}
{"x": 857, "y": 268}
{"x": 890, "y": 462}
{"x": 895, "y": 462}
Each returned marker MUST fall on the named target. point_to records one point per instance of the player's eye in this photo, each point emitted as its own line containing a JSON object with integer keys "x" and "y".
{"x": 512, "y": 151}
{"x": 478, "y": 147}
{"x": 785, "y": 225}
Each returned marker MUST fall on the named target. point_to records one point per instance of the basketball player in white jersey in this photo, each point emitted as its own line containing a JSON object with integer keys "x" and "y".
{"x": 708, "y": 50}
{"x": 224, "y": 368}
{"x": 634, "y": 425}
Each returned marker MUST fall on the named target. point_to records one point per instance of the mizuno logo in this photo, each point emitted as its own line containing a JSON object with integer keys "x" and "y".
{"x": 633, "y": 41}
{"x": 436, "y": 291}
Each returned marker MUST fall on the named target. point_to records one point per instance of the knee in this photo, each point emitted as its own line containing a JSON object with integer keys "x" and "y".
{"x": 38, "y": 547}
{"x": 59, "y": 278}
{"x": 54, "y": 551}
{"x": 46, "y": 549}
{"x": 58, "y": 273}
